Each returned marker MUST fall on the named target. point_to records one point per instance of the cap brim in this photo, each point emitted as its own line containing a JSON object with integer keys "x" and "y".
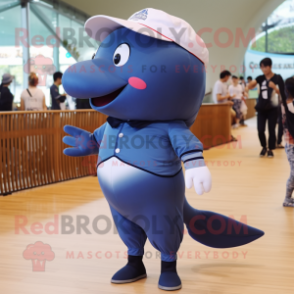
{"x": 100, "y": 26}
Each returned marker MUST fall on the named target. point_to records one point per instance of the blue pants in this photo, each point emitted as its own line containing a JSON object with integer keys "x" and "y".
{"x": 145, "y": 205}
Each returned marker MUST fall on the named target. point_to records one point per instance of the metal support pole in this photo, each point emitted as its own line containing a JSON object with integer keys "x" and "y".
{"x": 56, "y": 49}
{"x": 266, "y": 36}
{"x": 25, "y": 49}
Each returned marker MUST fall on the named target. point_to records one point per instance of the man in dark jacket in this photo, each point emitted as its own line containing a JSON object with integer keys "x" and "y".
{"x": 56, "y": 97}
{"x": 6, "y": 98}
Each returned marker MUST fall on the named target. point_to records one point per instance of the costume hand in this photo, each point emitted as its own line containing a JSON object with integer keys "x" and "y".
{"x": 201, "y": 178}
{"x": 83, "y": 142}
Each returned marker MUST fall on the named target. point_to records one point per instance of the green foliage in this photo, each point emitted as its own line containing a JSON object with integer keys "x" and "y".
{"x": 280, "y": 41}
{"x": 15, "y": 70}
{"x": 71, "y": 49}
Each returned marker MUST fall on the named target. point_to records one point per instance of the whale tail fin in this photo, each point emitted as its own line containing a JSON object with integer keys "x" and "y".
{"x": 216, "y": 230}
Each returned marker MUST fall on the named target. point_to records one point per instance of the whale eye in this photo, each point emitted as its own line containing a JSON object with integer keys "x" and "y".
{"x": 94, "y": 54}
{"x": 121, "y": 54}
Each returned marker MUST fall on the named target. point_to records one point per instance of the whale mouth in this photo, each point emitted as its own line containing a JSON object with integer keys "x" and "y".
{"x": 106, "y": 99}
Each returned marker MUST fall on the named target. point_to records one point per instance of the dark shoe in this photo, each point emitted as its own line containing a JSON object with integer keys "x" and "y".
{"x": 270, "y": 153}
{"x": 169, "y": 279}
{"x": 288, "y": 204}
{"x": 263, "y": 152}
{"x": 133, "y": 271}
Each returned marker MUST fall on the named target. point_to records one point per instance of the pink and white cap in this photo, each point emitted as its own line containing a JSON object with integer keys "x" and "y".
{"x": 154, "y": 23}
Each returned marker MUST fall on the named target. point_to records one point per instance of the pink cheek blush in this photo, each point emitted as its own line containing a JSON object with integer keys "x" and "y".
{"x": 137, "y": 83}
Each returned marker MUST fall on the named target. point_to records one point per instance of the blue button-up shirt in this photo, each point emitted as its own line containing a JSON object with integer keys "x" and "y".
{"x": 157, "y": 148}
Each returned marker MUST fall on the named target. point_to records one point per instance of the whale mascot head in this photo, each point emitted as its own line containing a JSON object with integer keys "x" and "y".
{"x": 150, "y": 67}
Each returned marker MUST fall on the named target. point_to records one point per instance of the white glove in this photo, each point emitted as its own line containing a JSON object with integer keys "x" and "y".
{"x": 201, "y": 177}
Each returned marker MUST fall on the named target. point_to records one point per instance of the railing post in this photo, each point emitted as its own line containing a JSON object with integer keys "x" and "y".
{"x": 56, "y": 145}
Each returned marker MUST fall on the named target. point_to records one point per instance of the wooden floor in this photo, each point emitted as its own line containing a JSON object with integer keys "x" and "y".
{"x": 243, "y": 185}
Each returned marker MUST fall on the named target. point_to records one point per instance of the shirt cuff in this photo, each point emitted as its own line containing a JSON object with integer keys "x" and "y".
{"x": 192, "y": 159}
{"x": 194, "y": 163}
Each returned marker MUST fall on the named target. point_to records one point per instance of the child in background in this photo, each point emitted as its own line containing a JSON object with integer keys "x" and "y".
{"x": 244, "y": 109}
{"x": 242, "y": 83}
{"x": 287, "y": 108}
{"x": 236, "y": 92}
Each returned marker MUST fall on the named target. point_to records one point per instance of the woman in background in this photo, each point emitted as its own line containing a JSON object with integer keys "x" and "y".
{"x": 33, "y": 98}
{"x": 6, "y": 98}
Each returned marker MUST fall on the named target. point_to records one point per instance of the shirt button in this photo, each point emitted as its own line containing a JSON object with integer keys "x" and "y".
{"x": 117, "y": 150}
{"x": 120, "y": 135}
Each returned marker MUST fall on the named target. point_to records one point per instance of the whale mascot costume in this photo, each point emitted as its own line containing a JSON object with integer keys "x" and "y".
{"x": 148, "y": 76}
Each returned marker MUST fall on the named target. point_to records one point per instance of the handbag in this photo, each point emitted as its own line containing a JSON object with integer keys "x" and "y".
{"x": 274, "y": 99}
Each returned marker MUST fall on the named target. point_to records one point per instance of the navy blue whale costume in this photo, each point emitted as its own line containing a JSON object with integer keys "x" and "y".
{"x": 151, "y": 89}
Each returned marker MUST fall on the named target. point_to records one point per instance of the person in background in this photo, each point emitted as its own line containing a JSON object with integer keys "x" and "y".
{"x": 220, "y": 92}
{"x": 280, "y": 125}
{"x": 33, "y": 98}
{"x": 236, "y": 91}
{"x": 249, "y": 80}
{"x": 83, "y": 104}
{"x": 288, "y": 126}
{"x": 244, "y": 109}
{"x": 242, "y": 83}
{"x": 56, "y": 97}
{"x": 6, "y": 98}
{"x": 243, "y": 104}
{"x": 266, "y": 107}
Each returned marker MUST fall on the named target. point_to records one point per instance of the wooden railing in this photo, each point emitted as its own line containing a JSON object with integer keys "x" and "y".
{"x": 213, "y": 125}
{"x": 251, "y": 108}
{"x": 31, "y": 148}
